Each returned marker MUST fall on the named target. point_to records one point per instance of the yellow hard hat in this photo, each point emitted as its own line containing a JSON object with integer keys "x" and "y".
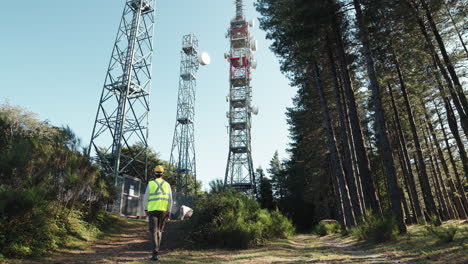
{"x": 159, "y": 169}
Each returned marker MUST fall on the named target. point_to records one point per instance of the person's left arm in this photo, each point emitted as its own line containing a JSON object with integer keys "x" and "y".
{"x": 145, "y": 200}
{"x": 169, "y": 209}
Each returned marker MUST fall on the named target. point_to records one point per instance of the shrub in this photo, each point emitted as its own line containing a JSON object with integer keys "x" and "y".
{"x": 434, "y": 220}
{"x": 28, "y": 223}
{"x": 326, "y": 228}
{"x": 442, "y": 234}
{"x": 281, "y": 226}
{"x": 45, "y": 183}
{"x": 232, "y": 220}
{"x": 78, "y": 227}
{"x": 375, "y": 228}
{"x": 32, "y": 226}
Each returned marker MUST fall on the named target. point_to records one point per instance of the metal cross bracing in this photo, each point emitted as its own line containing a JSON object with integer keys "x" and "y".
{"x": 183, "y": 144}
{"x": 239, "y": 170}
{"x": 123, "y": 111}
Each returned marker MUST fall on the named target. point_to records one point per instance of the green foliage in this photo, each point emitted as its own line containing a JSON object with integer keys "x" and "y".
{"x": 217, "y": 186}
{"x": 107, "y": 223}
{"x": 314, "y": 32}
{"x": 48, "y": 187}
{"x": 278, "y": 177}
{"x": 29, "y": 226}
{"x": 434, "y": 220}
{"x": 78, "y": 227}
{"x": 232, "y": 220}
{"x": 442, "y": 234}
{"x": 264, "y": 191}
{"x": 375, "y": 228}
{"x": 326, "y": 228}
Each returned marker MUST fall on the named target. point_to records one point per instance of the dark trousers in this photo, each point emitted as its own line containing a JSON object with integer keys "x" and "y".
{"x": 156, "y": 226}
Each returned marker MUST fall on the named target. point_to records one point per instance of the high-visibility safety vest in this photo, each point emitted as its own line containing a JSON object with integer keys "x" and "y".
{"x": 158, "y": 199}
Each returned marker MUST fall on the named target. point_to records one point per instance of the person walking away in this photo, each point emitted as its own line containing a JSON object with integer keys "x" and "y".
{"x": 158, "y": 207}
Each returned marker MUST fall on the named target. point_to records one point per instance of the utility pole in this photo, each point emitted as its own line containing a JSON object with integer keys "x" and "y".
{"x": 239, "y": 170}
{"x": 122, "y": 115}
{"x": 183, "y": 144}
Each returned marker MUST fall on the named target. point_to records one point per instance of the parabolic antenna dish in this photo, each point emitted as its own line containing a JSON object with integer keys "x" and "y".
{"x": 252, "y": 23}
{"x": 204, "y": 58}
{"x": 253, "y": 45}
{"x": 254, "y": 64}
{"x": 255, "y": 110}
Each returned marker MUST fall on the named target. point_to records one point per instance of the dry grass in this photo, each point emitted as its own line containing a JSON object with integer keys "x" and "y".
{"x": 297, "y": 250}
{"x": 420, "y": 248}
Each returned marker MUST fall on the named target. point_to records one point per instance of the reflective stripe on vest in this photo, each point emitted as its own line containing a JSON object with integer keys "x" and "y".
{"x": 158, "y": 199}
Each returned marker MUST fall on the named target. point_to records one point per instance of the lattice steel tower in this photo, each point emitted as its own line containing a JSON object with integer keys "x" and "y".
{"x": 183, "y": 144}
{"x": 122, "y": 116}
{"x": 239, "y": 169}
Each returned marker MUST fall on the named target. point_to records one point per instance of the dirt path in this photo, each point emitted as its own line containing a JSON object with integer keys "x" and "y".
{"x": 132, "y": 246}
{"x": 353, "y": 254}
{"x": 129, "y": 246}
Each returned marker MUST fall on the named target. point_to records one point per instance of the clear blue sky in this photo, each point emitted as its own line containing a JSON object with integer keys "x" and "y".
{"x": 54, "y": 56}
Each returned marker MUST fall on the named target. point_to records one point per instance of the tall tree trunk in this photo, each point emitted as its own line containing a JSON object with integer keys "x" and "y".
{"x": 445, "y": 56}
{"x": 426, "y": 215}
{"x": 352, "y": 148}
{"x": 452, "y": 212}
{"x": 463, "y": 211}
{"x": 380, "y": 128}
{"x": 443, "y": 207}
{"x": 456, "y": 28}
{"x": 412, "y": 217}
{"x": 348, "y": 166}
{"x": 461, "y": 113}
{"x": 433, "y": 53}
{"x": 338, "y": 197}
{"x": 423, "y": 176}
{"x": 396, "y": 141}
{"x": 406, "y": 210}
{"x": 453, "y": 128}
{"x": 411, "y": 179}
{"x": 331, "y": 141}
{"x": 461, "y": 200}
{"x": 370, "y": 196}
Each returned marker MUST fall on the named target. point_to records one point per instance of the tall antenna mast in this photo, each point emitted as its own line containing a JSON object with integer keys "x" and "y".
{"x": 122, "y": 115}
{"x": 239, "y": 9}
{"x": 239, "y": 170}
{"x": 183, "y": 144}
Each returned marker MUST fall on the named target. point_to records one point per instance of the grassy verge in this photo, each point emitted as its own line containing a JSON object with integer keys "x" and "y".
{"x": 83, "y": 234}
{"x": 80, "y": 236}
{"x": 418, "y": 246}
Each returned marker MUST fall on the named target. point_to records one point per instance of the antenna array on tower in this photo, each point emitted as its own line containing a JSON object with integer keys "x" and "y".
{"x": 183, "y": 145}
{"x": 239, "y": 169}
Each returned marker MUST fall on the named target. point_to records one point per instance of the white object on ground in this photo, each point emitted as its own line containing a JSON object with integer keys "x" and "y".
{"x": 185, "y": 212}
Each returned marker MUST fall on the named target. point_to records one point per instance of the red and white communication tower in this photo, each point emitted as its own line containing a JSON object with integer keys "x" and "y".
{"x": 239, "y": 170}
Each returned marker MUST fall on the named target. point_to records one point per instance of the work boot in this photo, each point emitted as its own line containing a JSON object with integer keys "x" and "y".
{"x": 155, "y": 258}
